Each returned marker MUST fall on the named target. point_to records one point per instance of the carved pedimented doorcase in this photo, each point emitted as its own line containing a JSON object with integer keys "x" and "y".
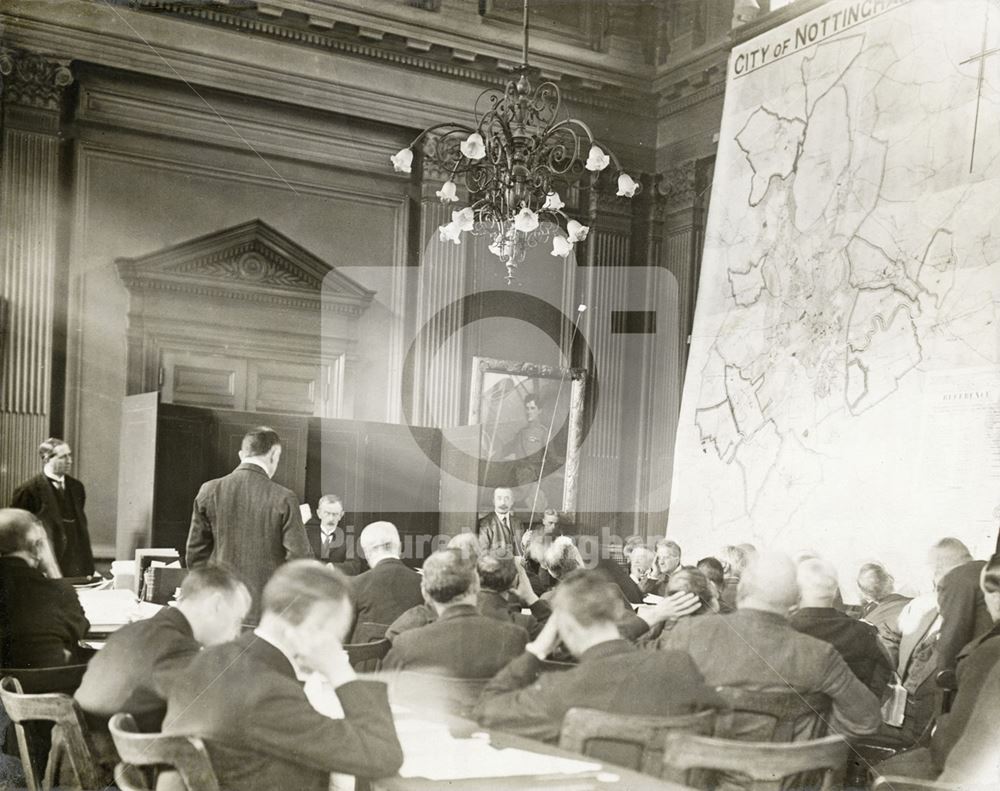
{"x": 245, "y": 319}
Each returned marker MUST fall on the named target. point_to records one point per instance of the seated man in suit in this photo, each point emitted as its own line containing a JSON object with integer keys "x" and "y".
{"x": 756, "y": 647}
{"x": 974, "y": 761}
{"x": 975, "y": 664}
{"x": 500, "y": 529}
{"x": 461, "y": 643}
{"x": 881, "y": 606}
{"x": 715, "y": 573}
{"x": 133, "y": 671}
{"x": 245, "y": 701}
{"x": 41, "y": 620}
{"x": 613, "y": 675}
{"x": 326, "y": 537}
{"x": 964, "y": 616}
{"x": 388, "y": 589}
{"x": 854, "y": 640}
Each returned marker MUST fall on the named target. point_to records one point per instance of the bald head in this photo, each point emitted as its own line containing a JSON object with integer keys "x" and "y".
{"x": 947, "y": 554}
{"x": 818, "y": 583}
{"x": 768, "y": 583}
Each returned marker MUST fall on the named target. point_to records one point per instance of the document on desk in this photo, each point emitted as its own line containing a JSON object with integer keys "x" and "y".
{"x": 430, "y": 751}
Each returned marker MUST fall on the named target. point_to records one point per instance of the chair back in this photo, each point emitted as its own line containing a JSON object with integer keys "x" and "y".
{"x": 628, "y": 740}
{"x": 69, "y": 740}
{"x": 367, "y": 657}
{"x": 131, "y": 778}
{"x": 768, "y": 766}
{"x": 184, "y": 754}
{"x": 369, "y": 631}
{"x": 434, "y": 693}
{"x": 65, "y": 678}
{"x": 776, "y": 716}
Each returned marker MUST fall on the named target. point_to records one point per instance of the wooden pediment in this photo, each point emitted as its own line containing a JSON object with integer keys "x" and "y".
{"x": 250, "y": 262}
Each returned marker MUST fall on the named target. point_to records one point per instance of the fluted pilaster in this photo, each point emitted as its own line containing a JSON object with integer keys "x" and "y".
{"x": 29, "y": 216}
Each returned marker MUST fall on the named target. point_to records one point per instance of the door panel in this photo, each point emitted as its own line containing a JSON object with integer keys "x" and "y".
{"x": 206, "y": 380}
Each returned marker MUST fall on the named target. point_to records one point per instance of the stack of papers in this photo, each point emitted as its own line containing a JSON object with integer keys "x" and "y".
{"x": 108, "y": 610}
{"x": 430, "y": 751}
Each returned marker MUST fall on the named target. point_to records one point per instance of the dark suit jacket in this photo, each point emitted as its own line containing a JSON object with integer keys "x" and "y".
{"x": 492, "y": 535}
{"x": 620, "y": 577}
{"x": 854, "y": 640}
{"x": 338, "y": 550}
{"x": 972, "y": 762}
{"x": 73, "y": 552}
{"x": 382, "y": 594}
{"x": 973, "y": 670}
{"x": 760, "y": 650}
{"x": 613, "y": 676}
{"x": 41, "y": 620}
{"x": 461, "y": 643}
{"x": 249, "y": 522}
{"x": 262, "y": 734}
{"x": 964, "y": 616}
{"x": 490, "y": 604}
{"x": 133, "y": 671}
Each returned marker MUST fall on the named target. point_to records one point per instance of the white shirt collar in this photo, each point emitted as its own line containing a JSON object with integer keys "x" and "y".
{"x": 57, "y": 478}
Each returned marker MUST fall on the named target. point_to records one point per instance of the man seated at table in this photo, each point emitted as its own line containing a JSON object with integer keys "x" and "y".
{"x": 41, "y": 620}
{"x": 613, "y": 675}
{"x": 854, "y": 640}
{"x": 461, "y": 643}
{"x": 133, "y": 671}
{"x": 388, "y": 589}
{"x": 245, "y": 701}
{"x": 504, "y": 590}
{"x": 756, "y": 647}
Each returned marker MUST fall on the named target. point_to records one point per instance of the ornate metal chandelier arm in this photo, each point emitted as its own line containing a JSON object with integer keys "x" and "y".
{"x": 568, "y": 124}
{"x": 451, "y": 125}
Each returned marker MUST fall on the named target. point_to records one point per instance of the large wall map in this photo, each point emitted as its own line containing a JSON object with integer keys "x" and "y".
{"x": 843, "y": 387}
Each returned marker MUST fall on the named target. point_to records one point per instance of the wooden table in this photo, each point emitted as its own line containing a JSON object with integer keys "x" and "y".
{"x": 587, "y": 781}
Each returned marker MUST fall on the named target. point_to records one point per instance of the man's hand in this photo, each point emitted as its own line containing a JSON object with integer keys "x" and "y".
{"x": 547, "y": 640}
{"x": 674, "y": 606}
{"x": 324, "y": 653}
{"x": 522, "y": 585}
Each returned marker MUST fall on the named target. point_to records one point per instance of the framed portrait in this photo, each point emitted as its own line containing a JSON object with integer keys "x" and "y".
{"x": 531, "y": 420}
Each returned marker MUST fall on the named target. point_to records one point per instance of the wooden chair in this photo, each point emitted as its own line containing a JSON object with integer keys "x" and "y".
{"x": 947, "y": 688}
{"x": 35, "y": 680}
{"x": 898, "y": 783}
{"x": 628, "y": 740}
{"x": 69, "y": 750}
{"x": 131, "y": 778}
{"x": 769, "y": 766}
{"x": 185, "y": 755}
{"x": 367, "y": 657}
{"x": 775, "y": 716}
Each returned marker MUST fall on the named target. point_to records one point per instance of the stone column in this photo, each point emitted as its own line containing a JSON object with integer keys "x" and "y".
{"x": 29, "y": 216}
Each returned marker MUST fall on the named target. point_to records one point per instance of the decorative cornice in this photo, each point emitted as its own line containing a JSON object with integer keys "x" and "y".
{"x": 411, "y": 53}
{"x": 33, "y": 80}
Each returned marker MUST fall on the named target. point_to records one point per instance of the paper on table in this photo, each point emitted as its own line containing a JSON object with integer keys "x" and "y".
{"x": 107, "y": 607}
{"x": 430, "y": 751}
{"x": 306, "y": 512}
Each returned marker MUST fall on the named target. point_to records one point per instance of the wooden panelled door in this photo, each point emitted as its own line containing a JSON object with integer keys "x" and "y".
{"x": 249, "y": 385}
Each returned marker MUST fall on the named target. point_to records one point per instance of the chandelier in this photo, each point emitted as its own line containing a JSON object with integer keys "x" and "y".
{"x": 522, "y": 148}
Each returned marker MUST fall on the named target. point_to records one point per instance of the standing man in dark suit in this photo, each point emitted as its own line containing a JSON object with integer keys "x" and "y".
{"x": 461, "y": 643}
{"x": 244, "y": 700}
{"x": 964, "y": 616}
{"x": 132, "y": 673}
{"x": 41, "y": 620}
{"x": 613, "y": 675}
{"x": 57, "y": 499}
{"x": 246, "y": 520}
{"x": 500, "y": 529}
{"x": 388, "y": 588}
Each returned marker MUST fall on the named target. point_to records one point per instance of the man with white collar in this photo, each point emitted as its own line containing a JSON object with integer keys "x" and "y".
{"x": 500, "y": 529}
{"x": 57, "y": 499}
{"x": 245, "y": 701}
{"x": 248, "y": 521}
